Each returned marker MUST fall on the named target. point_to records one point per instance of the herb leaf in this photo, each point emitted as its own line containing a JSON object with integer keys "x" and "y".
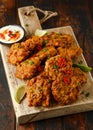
{"x": 45, "y": 42}
{"x": 55, "y": 66}
{"x": 31, "y": 62}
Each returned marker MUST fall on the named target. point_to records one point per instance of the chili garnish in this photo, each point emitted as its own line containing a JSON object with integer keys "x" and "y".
{"x": 2, "y": 36}
{"x": 10, "y": 32}
{"x": 69, "y": 72}
{"x": 66, "y": 80}
{"x": 62, "y": 62}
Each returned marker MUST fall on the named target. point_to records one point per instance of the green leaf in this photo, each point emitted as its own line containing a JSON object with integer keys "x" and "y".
{"x": 31, "y": 62}
{"x": 55, "y": 67}
{"x": 45, "y": 42}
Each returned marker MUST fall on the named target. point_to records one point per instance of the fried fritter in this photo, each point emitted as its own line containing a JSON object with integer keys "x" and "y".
{"x": 39, "y": 91}
{"x": 46, "y": 52}
{"x": 60, "y": 40}
{"x": 65, "y": 89}
{"x": 20, "y": 51}
{"x": 73, "y": 51}
{"x": 57, "y": 65}
{"x": 17, "y": 54}
{"x": 28, "y": 68}
{"x": 32, "y": 42}
{"x": 46, "y": 62}
{"x": 80, "y": 76}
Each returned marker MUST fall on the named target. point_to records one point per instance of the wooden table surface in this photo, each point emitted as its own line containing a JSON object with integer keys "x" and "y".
{"x": 78, "y": 14}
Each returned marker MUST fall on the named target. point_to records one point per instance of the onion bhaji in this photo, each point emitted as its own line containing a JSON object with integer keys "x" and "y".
{"x": 58, "y": 79}
{"x": 73, "y": 51}
{"x": 65, "y": 89}
{"x": 28, "y": 68}
{"x": 58, "y": 39}
{"x": 46, "y": 52}
{"x": 80, "y": 76}
{"x": 39, "y": 91}
{"x": 20, "y": 51}
{"x": 57, "y": 65}
{"x": 32, "y": 42}
{"x": 17, "y": 54}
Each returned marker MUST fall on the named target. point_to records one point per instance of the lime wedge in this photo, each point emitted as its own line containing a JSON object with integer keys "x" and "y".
{"x": 19, "y": 93}
{"x": 40, "y": 33}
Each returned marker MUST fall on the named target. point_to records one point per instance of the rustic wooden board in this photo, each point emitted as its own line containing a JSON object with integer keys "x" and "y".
{"x": 29, "y": 19}
{"x": 26, "y": 114}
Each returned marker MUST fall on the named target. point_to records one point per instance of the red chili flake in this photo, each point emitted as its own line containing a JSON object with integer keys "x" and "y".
{"x": 10, "y": 32}
{"x": 2, "y": 36}
{"x": 69, "y": 72}
{"x": 62, "y": 62}
{"x": 39, "y": 68}
{"x": 39, "y": 47}
{"x": 66, "y": 80}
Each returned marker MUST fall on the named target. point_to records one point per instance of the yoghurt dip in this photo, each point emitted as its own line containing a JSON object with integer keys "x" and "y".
{"x": 11, "y": 33}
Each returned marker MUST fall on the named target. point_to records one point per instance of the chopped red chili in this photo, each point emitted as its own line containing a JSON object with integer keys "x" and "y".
{"x": 69, "y": 72}
{"x": 2, "y": 36}
{"x": 66, "y": 80}
{"x": 62, "y": 62}
{"x": 9, "y": 32}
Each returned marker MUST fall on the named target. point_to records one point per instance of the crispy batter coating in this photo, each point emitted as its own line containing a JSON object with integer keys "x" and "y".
{"x": 65, "y": 89}
{"x": 28, "y": 68}
{"x": 57, "y": 65}
{"x": 39, "y": 91}
{"x": 32, "y": 42}
{"x": 17, "y": 54}
{"x": 46, "y": 52}
{"x": 60, "y": 40}
{"x": 80, "y": 76}
{"x": 47, "y": 63}
{"x": 20, "y": 51}
{"x": 73, "y": 51}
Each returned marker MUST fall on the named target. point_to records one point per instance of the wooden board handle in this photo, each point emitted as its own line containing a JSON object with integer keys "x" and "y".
{"x": 29, "y": 21}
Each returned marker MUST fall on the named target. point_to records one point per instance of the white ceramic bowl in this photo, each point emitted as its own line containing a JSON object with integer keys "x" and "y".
{"x": 11, "y": 33}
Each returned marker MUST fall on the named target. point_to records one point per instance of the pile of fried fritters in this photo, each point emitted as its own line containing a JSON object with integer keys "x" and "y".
{"x": 46, "y": 64}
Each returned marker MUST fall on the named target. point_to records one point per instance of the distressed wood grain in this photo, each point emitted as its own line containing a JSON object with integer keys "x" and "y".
{"x": 78, "y": 14}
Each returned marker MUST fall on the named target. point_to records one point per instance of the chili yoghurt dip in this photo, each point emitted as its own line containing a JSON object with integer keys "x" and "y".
{"x": 11, "y": 33}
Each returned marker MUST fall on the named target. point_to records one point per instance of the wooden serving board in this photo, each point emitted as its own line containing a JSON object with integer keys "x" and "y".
{"x": 25, "y": 114}
{"x": 29, "y": 19}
